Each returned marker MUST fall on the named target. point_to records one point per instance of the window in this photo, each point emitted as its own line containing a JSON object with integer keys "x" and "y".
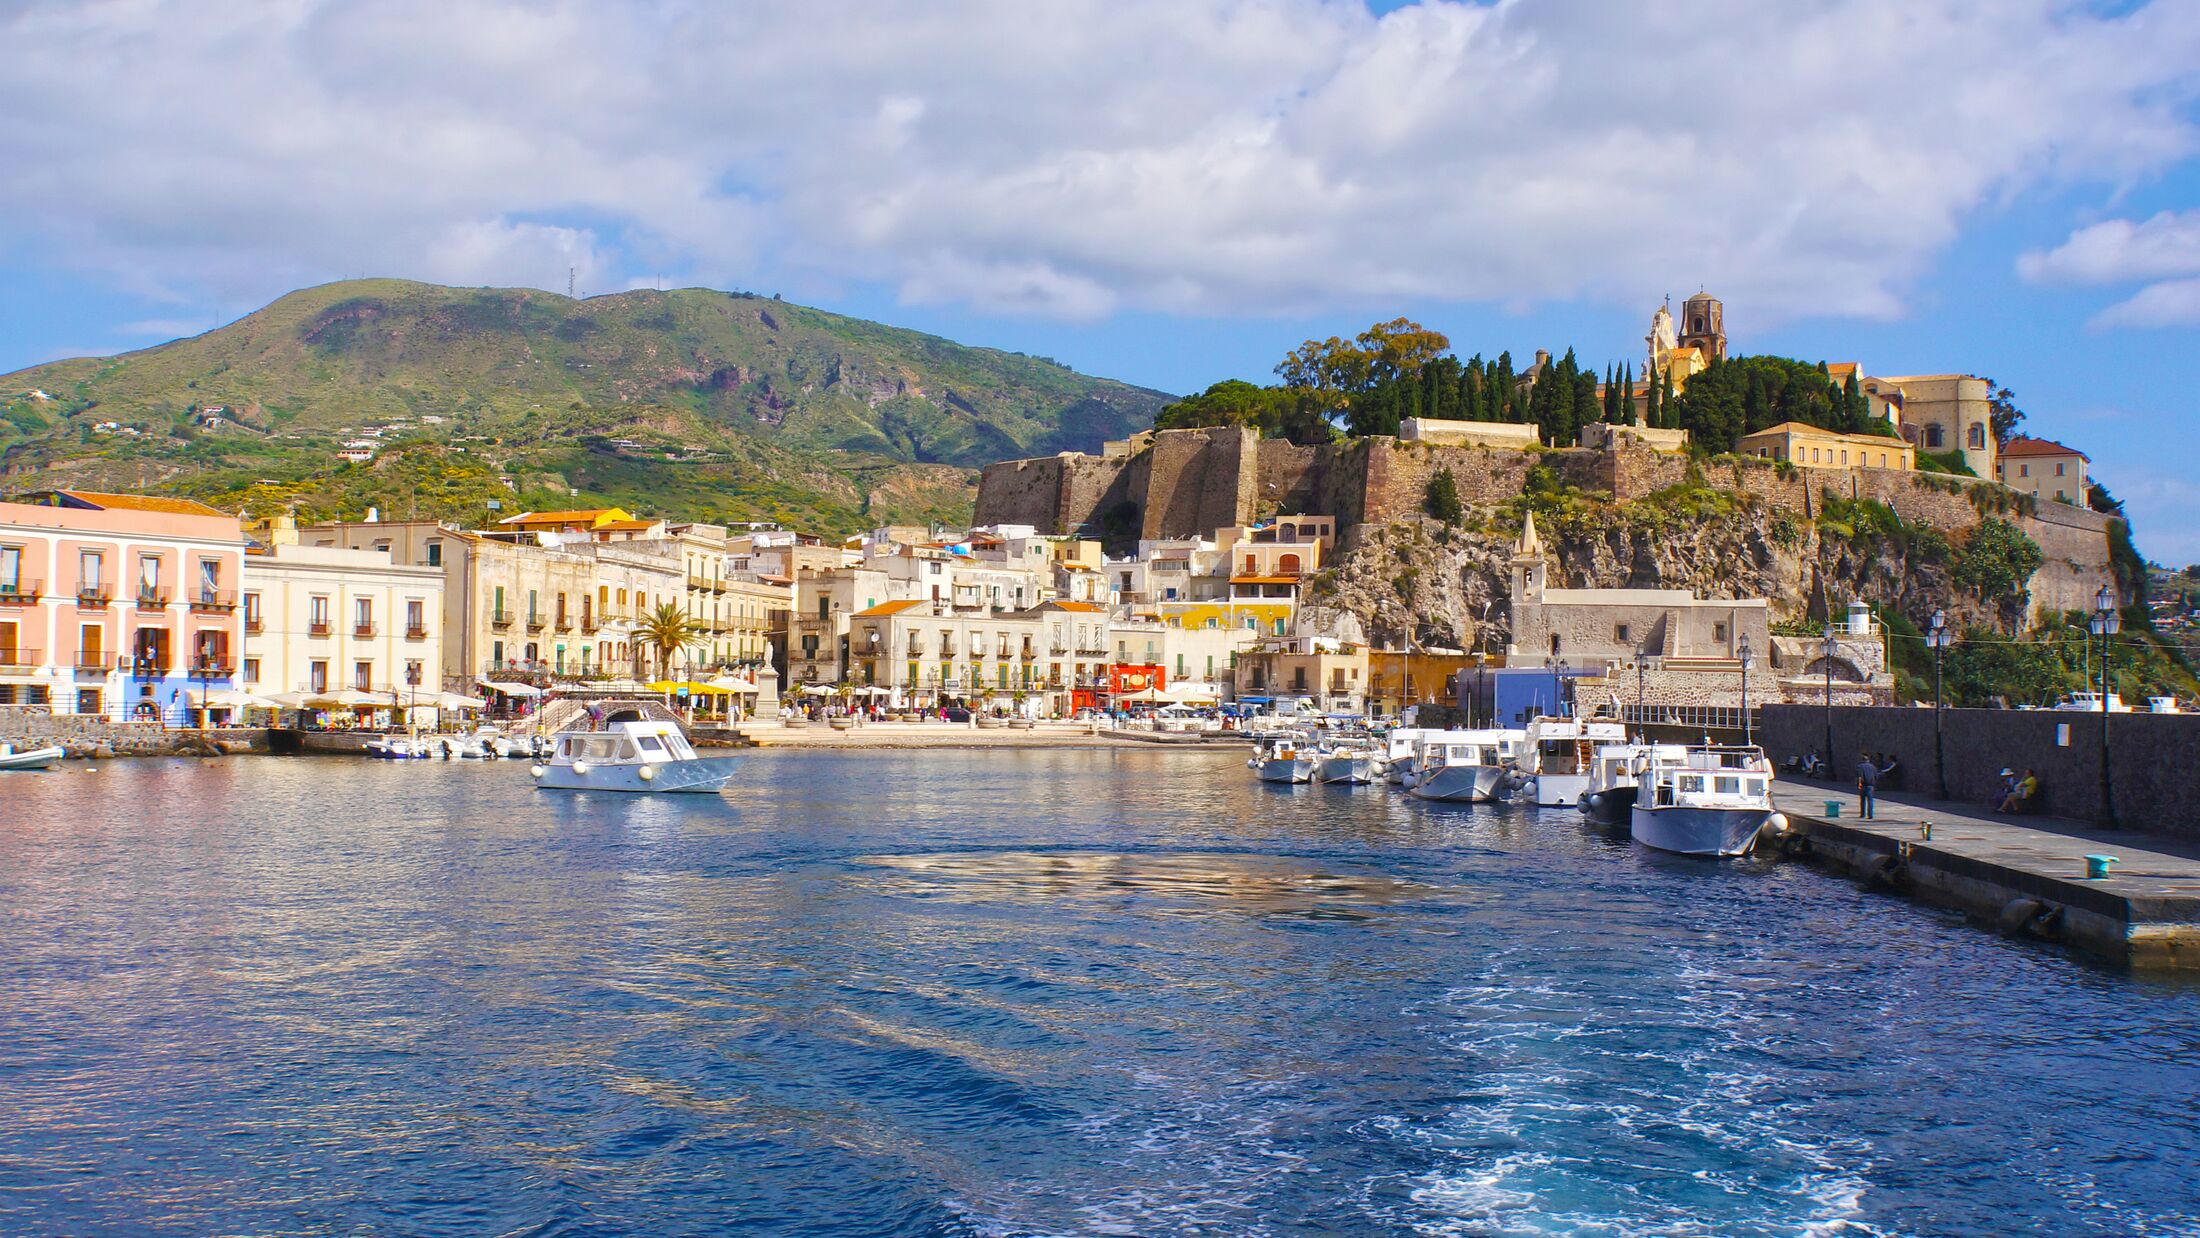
{"x": 317, "y": 676}
{"x": 2024, "y": 470}
{"x": 252, "y": 670}
{"x": 1718, "y": 632}
{"x": 88, "y": 571}
{"x": 416, "y": 619}
{"x": 148, "y": 577}
{"x": 317, "y": 614}
{"x": 2058, "y": 468}
{"x": 1935, "y": 438}
{"x": 435, "y": 554}
{"x": 362, "y": 616}
{"x": 252, "y": 612}
{"x": 91, "y": 647}
{"x": 362, "y": 676}
{"x": 11, "y": 569}
{"x": 1622, "y": 634}
{"x": 1978, "y": 437}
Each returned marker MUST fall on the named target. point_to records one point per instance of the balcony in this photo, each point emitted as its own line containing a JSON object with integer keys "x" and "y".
{"x": 216, "y": 666}
{"x": 94, "y": 597}
{"x": 254, "y": 625}
{"x": 564, "y": 624}
{"x": 361, "y": 631}
{"x": 152, "y": 599}
{"x": 416, "y": 631}
{"x": 213, "y": 601}
{"x": 534, "y": 623}
{"x": 18, "y": 659}
{"x": 588, "y": 623}
{"x": 93, "y": 662}
{"x": 320, "y": 628}
{"x": 21, "y": 593}
{"x": 500, "y": 619}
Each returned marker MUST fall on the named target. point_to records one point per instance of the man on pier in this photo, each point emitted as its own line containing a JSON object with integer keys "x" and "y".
{"x": 1867, "y": 780}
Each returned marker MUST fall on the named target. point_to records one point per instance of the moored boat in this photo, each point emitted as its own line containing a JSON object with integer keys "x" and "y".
{"x": 1467, "y": 766}
{"x": 29, "y": 758}
{"x": 1706, "y": 800}
{"x": 1349, "y": 764}
{"x": 1609, "y": 799}
{"x": 1285, "y": 759}
{"x": 630, "y": 756}
{"x": 1559, "y": 752}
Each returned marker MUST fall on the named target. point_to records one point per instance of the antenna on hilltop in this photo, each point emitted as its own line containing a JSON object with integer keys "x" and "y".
{"x": 569, "y": 283}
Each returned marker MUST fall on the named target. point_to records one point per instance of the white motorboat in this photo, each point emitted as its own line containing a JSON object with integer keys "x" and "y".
{"x": 2090, "y": 703}
{"x": 1613, "y": 773}
{"x": 1398, "y": 753}
{"x": 399, "y": 748}
{"x": 484, "y": 743}
{"x": 1708, "y": 800}
{"x": 1468, "y": 766}
{"x": 29, "y": 758}
{"x": 1560, "y": 751}
{"x": 1350, "y": 764}
{"x": 630, "y": 756}
{"x": 1284, "y": 758}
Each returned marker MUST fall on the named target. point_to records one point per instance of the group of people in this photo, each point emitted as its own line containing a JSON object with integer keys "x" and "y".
{"x": 2016, "y": 792}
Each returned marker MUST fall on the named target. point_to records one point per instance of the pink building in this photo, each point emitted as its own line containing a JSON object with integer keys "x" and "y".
{"x": 117, "y": 604}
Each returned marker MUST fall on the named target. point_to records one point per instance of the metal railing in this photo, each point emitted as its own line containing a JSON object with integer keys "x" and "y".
{"x": 152, "y": 599}
{"x": 500, "y": 619}
{"x": 320, "y": 629}
{"x": 416, "y": 631}
{"x": 361, "y": 631}
{"x": 92, "y": 662}
{"x": 1703, "y": 717}
{"x": 94, "y": 596}
{"x": 214, "y": 600}
{"x": 20, "y": 593}
{"x": 14, "y": 659}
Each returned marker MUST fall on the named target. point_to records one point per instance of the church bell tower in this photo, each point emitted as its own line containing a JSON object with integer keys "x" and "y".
{"x": 1703, "y": 326}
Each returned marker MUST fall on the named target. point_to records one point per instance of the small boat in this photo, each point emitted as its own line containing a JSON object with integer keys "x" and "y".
{"x": 1398, "y": 754}
{"x": 2090, "y": 703}
{"x": 1349, "y": 764}
{"x": 29, "y": 758}
{"x": 399, "y": 748}
{"x": 630, "y": 756}
{"x": 1609, "y": 799}
{"x": 1284, "y": 758}
{"x": 1468, "y": 766}
{"x": 1559, "y": 751}
{"x": 1706, "y": 800}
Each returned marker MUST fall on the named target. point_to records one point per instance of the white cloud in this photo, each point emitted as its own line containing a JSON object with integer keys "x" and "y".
{"x": 1075, "y": 157}
{"x": 2118, "y": 250}
{"x": 2171, "y": 303}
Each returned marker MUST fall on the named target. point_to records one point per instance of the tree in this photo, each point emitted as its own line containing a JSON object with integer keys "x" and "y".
{"x": 667, "y": 629}
{"x": 1997, "y": 560}
{"x": 1443, "y": 497}
{"x": 2006, "y": 415}
{"x": 1274, "y": 412}
{"x": 1332, "y": 370}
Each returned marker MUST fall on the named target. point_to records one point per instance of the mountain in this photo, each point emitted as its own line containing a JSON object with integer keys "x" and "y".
{"x": 692, "y": 403}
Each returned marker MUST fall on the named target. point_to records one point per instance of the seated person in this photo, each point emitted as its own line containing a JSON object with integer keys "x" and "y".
{"x": 2021, "y": 793}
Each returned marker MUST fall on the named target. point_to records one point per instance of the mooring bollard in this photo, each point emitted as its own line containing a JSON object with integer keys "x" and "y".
{"x": 1925, "y": 830}
{"x": 2096, "y": 866}
{"x": 1833, "y": 809}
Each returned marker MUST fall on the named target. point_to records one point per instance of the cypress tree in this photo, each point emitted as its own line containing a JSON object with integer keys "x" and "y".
{"x": 1656, "y": 418}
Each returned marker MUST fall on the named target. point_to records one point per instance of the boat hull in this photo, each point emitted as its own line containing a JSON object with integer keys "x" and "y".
{"x": 1698, "y": 831}
{"x": 1611, "y": 806}
{"x": 1464, "y": 784}
{"x": 1560, "y": 790}
{"x": 1286, "y": 769}
{"x": 36, "y": 758}
{"x": 1349, "y": 770}
{"x": 702, "y": 776}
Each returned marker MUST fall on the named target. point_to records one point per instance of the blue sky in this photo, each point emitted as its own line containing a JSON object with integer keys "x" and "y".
{"x": 1169, "y": 193}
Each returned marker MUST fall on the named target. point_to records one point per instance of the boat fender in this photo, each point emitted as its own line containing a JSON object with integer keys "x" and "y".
{"x": 580, "y": 767}
{"x": 538, "y": 770}
{"x": 649, "y": 773}
{"x": 1591, "y": 802}
{"x": 2016, "y": 914}
{"x": 1881, "y": 870}
{"x": 1776, "y": 826}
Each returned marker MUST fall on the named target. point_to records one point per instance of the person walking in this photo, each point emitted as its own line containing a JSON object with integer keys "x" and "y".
{"x": 1867, "y": 781}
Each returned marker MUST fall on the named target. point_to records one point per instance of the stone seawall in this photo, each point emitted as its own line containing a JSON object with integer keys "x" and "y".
{"x": 2151, "y": 756}
{"x": 28, "y": 726}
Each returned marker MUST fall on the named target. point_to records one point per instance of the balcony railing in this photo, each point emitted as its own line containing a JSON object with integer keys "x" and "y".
{"x": 588, "y": 623}
{"x": 321, "y": 628}
{"x": 254, "y": 625}
{"x": 416, "y": 631}
{"x": 215, "y": 667}
{"x": 565, "y": 624}
{"x": 534, "y": 623}
{"x": 21, "y": 593}
{"x": 152, "y": 599}
{"x": 361, "y": 631}
{"x": 500, "y": 618}
{"x": 213, "y": 600}
{"x": 93, "y": 596}
{"x": 93, "y": 662}
{"x": 16, "y": 659}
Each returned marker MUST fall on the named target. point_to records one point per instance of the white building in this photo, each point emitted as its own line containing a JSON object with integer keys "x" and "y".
{"x": 322, "y": 619}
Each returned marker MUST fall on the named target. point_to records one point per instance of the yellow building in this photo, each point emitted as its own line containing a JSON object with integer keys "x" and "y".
{"x": 2044, "y": 469}
{"x": 1811, "y": 447}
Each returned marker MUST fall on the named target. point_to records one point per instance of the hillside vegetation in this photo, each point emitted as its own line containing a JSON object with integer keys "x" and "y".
{"x": 692, "y": 403}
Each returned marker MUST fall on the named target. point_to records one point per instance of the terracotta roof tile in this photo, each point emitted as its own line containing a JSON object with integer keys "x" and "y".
{"x": 142, "y": 503}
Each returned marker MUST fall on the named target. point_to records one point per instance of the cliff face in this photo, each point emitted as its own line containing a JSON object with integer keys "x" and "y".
{"x": 1451, "y": 585}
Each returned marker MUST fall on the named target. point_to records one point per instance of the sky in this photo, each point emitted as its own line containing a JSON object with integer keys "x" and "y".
{"x": 1170, "y": 192}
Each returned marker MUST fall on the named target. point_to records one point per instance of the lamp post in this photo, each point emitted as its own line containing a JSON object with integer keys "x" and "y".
{"x": 1827, "y": 650}
{"x": 1481, "y": 685}
{"x": 1748, "y": 660}
{"x": 1557, "y": 668}
{"x": 1938, "y": 638}
{"x": 2106, "y": 623}
{"x": 142, "y": 667}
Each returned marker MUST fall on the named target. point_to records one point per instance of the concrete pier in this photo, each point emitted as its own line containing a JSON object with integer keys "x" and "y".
{"x": 2022, "y": 875}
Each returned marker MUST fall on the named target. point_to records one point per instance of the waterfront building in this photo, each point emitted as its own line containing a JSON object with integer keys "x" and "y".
{"x": 1594, "y": 626}
{"x": 323, "y": 619}
{"x": 1807, "y": 445}
{"x": 1330, "y": 673}
{"x": 1433, "y": 676}
{"x": 817, "y": 626}
{"x": 115, "y": 604}
{"x": 595, "y": 524}
{"x": 2044, "y": 469}
{"x": 1197, "y": 658}
{"x": 926, "y": 653}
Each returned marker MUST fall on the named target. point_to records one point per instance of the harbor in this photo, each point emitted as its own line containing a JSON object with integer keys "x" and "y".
{"x": 1016, "y": 991}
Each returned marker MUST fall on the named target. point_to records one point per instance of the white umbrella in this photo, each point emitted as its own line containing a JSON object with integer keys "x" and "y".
{"x": 818, "y": 689}
{"x": 874, "y": 690}
{"x": 511, "y": 689}
{"x": 231, "y": 698}
{"x": 453, "y": 700}
{"x": 733, "y": 683}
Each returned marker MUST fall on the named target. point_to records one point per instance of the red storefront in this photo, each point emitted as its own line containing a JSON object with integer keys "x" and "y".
{"x": 1127, "y": 681}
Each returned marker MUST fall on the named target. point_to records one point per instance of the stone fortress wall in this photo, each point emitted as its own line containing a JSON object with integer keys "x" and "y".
{"x": 1182, "y": 483}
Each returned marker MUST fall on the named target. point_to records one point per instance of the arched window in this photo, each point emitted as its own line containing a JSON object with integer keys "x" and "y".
{"x": 1978, "y": 437}
{"x": 1934, "y": 439}
{"x": 1287, "y": 565}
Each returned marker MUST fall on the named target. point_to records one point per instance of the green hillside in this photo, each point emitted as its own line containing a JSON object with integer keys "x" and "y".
{"x": 693, "y": 403}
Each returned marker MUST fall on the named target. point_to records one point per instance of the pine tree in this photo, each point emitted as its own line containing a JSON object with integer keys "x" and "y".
{"x": 1656, "y": 417}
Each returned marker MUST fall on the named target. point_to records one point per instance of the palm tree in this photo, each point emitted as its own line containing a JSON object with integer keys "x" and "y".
{"x": 667, "y": 630}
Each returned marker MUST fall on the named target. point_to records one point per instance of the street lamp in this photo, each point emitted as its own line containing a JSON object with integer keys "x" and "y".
{"x": 1481, "y": 683}
{"x": 1557, "y": 668}
{"x": 1937, "y": 639}
{"x": 2106, "y": 623}
{"x": 1828, "y": 649}
{"x": 1748, "y": 660}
